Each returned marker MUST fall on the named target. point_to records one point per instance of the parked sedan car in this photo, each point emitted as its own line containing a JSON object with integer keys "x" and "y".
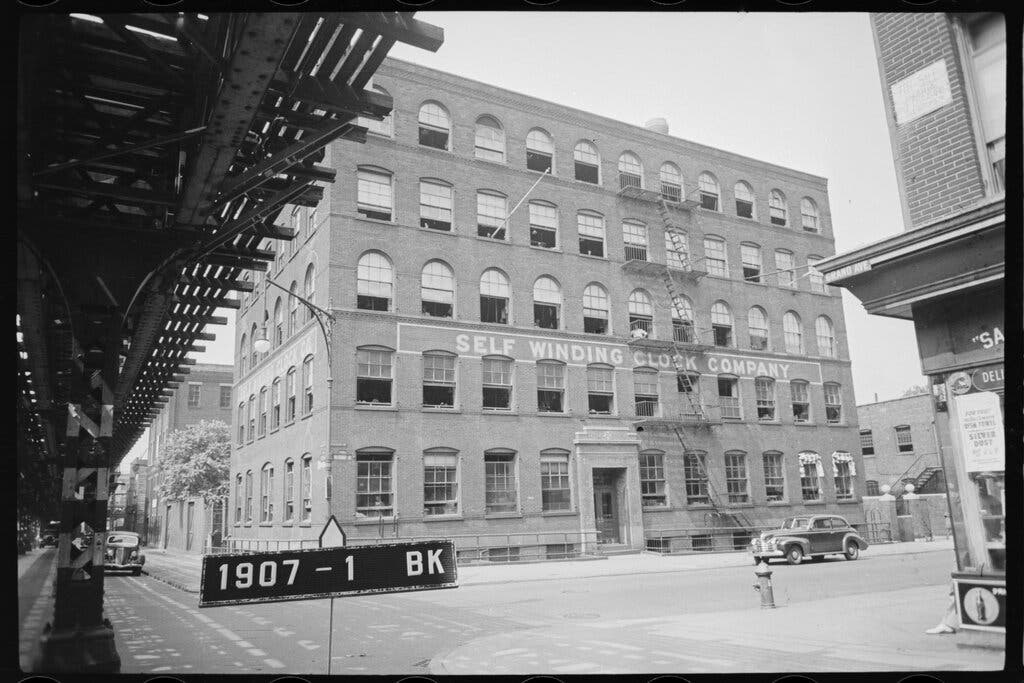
{"x": 812, "y": 536}
{"x": 48, "y": 540}
{"x": 123, "y": 552}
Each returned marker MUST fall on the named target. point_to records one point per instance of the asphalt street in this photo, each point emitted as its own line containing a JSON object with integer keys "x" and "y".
{"x": 565, "y": 626}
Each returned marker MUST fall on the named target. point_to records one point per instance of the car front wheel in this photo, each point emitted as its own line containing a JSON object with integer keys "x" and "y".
{"x": 794, "y": 555}
{"x": 852, "y": 551}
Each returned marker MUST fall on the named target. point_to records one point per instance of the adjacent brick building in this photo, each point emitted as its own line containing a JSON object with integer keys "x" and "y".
{"x": 186, "y": 524}
{"x": 509, "y": 379}
{"x": 897, "y": 440}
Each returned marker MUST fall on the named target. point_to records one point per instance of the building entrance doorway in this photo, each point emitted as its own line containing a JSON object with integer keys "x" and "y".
{"x": 607, "y": 508}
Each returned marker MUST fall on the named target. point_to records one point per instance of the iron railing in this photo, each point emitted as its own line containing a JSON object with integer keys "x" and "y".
{"x": 646, "y": 408}
{"x": 635, "y": 253}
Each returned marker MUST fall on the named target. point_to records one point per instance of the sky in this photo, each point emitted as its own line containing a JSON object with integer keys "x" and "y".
{"x": 800, "y": 90}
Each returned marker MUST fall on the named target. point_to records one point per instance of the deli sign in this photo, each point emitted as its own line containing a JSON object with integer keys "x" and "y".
{"x": 990, "y": 378}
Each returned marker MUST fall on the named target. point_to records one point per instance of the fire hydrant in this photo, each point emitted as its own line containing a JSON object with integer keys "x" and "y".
{"x": 764, "y": 585}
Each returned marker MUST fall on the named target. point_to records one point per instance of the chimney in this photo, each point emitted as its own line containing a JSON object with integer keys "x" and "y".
{"x": 876, "y": 397}
{"x": 658, "y": 125}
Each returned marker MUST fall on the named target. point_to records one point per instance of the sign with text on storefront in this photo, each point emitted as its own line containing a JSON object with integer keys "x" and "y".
{"x": 415, "y": 338}
{"x": 979, "y": 423}
{"x": 980, "y": 603}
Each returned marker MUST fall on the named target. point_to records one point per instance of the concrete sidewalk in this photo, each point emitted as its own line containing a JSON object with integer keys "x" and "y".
{"x": 183, "y": 570}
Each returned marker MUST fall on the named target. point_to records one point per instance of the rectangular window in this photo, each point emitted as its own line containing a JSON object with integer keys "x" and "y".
{"x": 537, "y": 160}
{"x": 263, "y": 413}
{"x": 729, "y": 398}
{"x": 774, "y": 478}
{"x": 765, "y": 391}
{"x": 493, "y": 309}
{"x": 307, "y": 387}
{"x": 904, "y": 442}
{"x": 600, "y": 390}
{"x": 715, "y": 257}
{"x": 374, "y": 195}
{"x": 501, "y": 489}
{"x": 248, "y": 498}
{"x": 784, "y": 266}
{"x": 543, "y": 226}
{"x": 986, "y": 47}
{"x": 801, "y": 401}
{"x": 373, "y": 485}
{"x": 867, "y": 442}
{"x": 266, "y": 495}
{"x": 696, "y": 475}
{"x": 634, "y": 235}
{"x": 810, "y": 486}
{"x": 554, "y": 482}
{"x": 645, "y": 392}
{"x": 306, "y": 489}
{"x": 736, "y": 485}
{"x": 591, "y": 232}
{"x": 751, "y": 257}
{"x": 225, "y": 395}
{"x": 289, "y": 491}
{"x": 652, "y": 480}
{"x": 814, "y": 276}
{"x": 373, "y": 377}
{"x": 497, "y": 384}
{"x": 677, "y": 249}
{"x": 440, "y": 484}
{"x": 438, "y": 381}
{"x": 435, "y": 206}
{"x": 195, "y": 390}
{"x": 550, "y": 387}
{"x": 490, "y": 216}
{"x": 833, "y": 404}
{"x": 843, "y": 481}
{"x": 289, "y": 392}
{"x": 275, "y": 404}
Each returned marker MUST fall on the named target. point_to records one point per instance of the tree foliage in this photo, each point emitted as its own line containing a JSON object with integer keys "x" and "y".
{"x": 195, "y": 462}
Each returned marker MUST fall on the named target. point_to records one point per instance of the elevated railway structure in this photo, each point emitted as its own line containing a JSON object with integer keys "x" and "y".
{"x": 154, "y": 153}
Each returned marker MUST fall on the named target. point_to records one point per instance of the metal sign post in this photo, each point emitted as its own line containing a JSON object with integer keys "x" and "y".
{"x": 332, "y": 536}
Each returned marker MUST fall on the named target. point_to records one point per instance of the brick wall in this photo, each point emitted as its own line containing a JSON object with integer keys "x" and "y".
{"x": 936, "y": 154}
{"x": 888, "y": 462}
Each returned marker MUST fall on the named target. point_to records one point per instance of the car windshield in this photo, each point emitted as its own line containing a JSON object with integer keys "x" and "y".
{"x": 795, "y": 523}
{"x": 123, "y": 541}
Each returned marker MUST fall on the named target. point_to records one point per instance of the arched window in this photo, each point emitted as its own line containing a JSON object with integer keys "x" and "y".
{"x": 786, "y": 268}
{"x": 436, "y": 205}
{"x": 721, "y": 323}
{"x": 587, "y": 162}
{"x": 811, "y": 474}
{"x": 248, "y": 496}
{"x": 306, "y": 488}
{"x": 307, "y": 385}
{"x": 671, "y": 182}
{"x": 709, "y": 192}
{"x": 491, "y": 215}
{"x": 641, "y": 314}
{"x": 437, "y": 290}
{"x": 440, "y": 481}
{"x": 764, "y": 392}
{"x": 750, "y": 259}
{"x": 490, "y": 139}
{"x": 266, "y": 329}
{"x": 774, "y": 476}
{"x": 384, "y": 126}
{"x": 800, "y": 397}
{"x": 716, "y": 259}
{"x": 308, "y": 287}
{"x": 634, "y": 238}
{"x": 595, "y": 309}
{"x": 547, "y": 303}
{"x": 793, "y": 332}
{"x": 695, "y": 477}
{"x": 550, "y": 386}
{"x": 242, "y": 353}
{"x": 591, "y": 232}
{"x": 275, "y": 404}
{"x": 289, "y": 395}
{"x": 833, "y": 403}
{"x": 737, "y": 486}
{"x": 600, "y": 389}
{"x": 238, "y": 498}
{"x": 729, "y": 397}
{"x": 266, "y": 494}
{"x": 826, "y": 336}
{"x": 374, "y": 278}
{"x": 682, "y": 320}
{"x": 809, "y": 214}
{"x": 289, "y": 490}
{"x": 495, "y": 294}
{"x": 241, "y": 423}
{"x": 757, "y": 327}
{"x": 645, "y": 392}
{"x": 263, "y": 412}
{"x": 375, "y": 193}
{"x": 540, "y": 151}
{"x": 631, "y": 171}
{"x": 543, "y": 225}
{"x": 435, "y": 126}
{"x": 744, "y": 200}
{"x": 777, "y": 208}
{"x": 293, "y": 309}
{"x": 254, "y": 356}
{"x": 278, "y": 323}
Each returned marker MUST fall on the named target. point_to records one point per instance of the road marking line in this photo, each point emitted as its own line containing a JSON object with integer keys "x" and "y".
{"x": 228, "y": 634}
{"x": 702, "y": 660}
{"x": 146, "y": 656}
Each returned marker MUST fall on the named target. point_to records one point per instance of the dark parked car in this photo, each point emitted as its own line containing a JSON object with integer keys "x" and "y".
{"x": 812, "y": 536}
{"x": 48, "y": 539}
{"x": 123, "y": 552}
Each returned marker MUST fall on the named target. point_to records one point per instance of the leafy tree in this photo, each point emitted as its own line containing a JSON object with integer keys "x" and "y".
{"x": 915, "y": 390}
{"x": 196, "y": 462}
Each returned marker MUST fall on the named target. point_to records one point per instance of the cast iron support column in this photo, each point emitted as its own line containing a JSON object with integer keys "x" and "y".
{"x": 79, "y": 639}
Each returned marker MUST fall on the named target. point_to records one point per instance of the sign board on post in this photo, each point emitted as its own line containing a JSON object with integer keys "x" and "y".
{"x": 980, "y": 603}
{"x": 327, "y": 572}
{"x": 979, "y": 421}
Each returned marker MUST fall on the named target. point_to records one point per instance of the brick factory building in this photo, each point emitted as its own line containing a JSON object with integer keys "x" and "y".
{"x": 630, "y": 351}
{"x": 897, "y": 440}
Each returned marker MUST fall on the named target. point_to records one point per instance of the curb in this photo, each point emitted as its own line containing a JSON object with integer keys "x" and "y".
{"x": 171, "y": 582}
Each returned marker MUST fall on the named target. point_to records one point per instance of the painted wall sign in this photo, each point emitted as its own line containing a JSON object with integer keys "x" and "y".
{"x": 980, "y": 603}
{"x": 921, "y": 92}
{"x": 979, "y": 421}
{"x": 415, "y": 338}
{"x": 991, "y": 378}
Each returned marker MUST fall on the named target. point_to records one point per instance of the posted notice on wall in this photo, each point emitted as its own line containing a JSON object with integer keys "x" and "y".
{"x": 979, "y": 422}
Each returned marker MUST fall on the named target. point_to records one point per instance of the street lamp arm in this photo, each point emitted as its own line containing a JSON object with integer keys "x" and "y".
{"x": 305, "y": 301}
